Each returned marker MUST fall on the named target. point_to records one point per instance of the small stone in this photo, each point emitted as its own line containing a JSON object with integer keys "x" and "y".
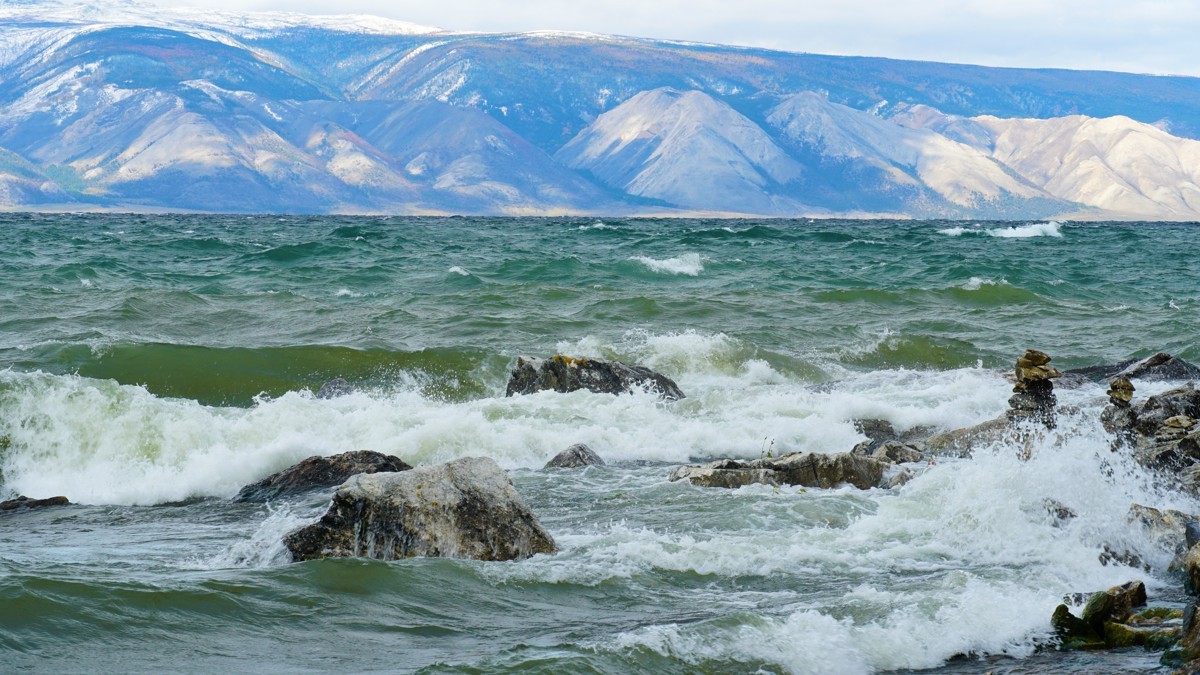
{"x": 566, "y": 374}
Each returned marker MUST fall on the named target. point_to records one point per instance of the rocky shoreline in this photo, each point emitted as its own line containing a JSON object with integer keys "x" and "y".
{"x": 381, "y": 507}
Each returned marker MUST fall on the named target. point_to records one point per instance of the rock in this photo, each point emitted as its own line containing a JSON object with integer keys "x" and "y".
{"x": 1073, "y": 632}
{"x": 896, "y": 452}
{"x": 319, "y": 472}
{"x": 24, "y": 503}
{"x": 1033, "y": 397}
{"x": 334, "y": 388}
{"x": 1191, "y": 568}
{"x": 1120, "y": 421}
{"x": 876, "y": 430}
{"x": 575, "y": 457}
{"x": 1057, "y": 510}
{"x": 1160, "y": 366}
{"x": 564, "y": 374}
{"x": 1158, "y": 409}
{"x": 961, "y": 442}
{"x": 1189, "y": 641}
{"x": 1120, "y": 392}
{"x": 895, "y": 477}
{"x": 1167, "y": 529}
{"x": 466, "y": 508}
{"x": 810, "y": 469}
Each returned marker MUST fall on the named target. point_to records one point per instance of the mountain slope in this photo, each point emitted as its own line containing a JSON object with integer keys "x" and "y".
{"x": 125, "y": 105}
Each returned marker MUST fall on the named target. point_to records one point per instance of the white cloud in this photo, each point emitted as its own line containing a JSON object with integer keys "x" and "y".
{"x": 1151, "y": 36}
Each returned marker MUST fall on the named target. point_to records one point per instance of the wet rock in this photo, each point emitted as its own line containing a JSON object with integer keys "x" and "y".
{"x": 1059, "y": 511}
{"x": 24, "y": 503}
{"x": 1166, "y": 528}
{"x": 1158, "y": 409}
{"x": 319, "y": 472}
{"x": 466, "y": 508}
{"x": 1160, "y": 366}
{"x": 335, "y": 388}
{"x": 896, "y": 476}
{"x": 575, "y": 457}
{"x": 1073, "y": 632}
{"x": 893, "y": 452}
{"x": 1120, "y": 421}
{"x": 1033, "y": 397}
{"x": 809, "y": 469}
{"x": 961, "y": 442}
{"x": 1107, "y": 620}
{"x": 565, "y": 374}
{"x": 876, "y": 430}
{"x": 1120, "y": 392}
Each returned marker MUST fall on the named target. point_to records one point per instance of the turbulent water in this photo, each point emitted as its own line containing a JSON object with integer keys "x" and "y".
{"x": 152, "y": 365}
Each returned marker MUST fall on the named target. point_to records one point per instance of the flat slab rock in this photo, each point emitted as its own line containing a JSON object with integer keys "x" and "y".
{"x": 467, "y": 508}
{"x": 319, "y": 472}
{"x": 809, "y": 469}
{"x": 1160, "y": 366}
{"x": 566, "y": 374}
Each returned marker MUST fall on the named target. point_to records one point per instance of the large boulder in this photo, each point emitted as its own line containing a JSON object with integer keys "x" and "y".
{"x": 466, "y": 508}
{"x": 319, "y": 472}
{"x": 23, "y": 503}
{"x": 575, "y": 457}
{"x": 962, "y": 442}
{"x": 809, "y": 469}
{"x": 564, "y": 374}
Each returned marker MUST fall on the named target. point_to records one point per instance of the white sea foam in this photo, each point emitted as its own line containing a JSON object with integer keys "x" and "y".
{"x": 100, "y": 442}
{"x": 1047, "y": 229}
{"x": 976, "y": 283}
{"x": 459, "y": 271}
{"x": 347, "y": 293}
{"x": 690, "y": 264}
{"x": 1050, "y": 229}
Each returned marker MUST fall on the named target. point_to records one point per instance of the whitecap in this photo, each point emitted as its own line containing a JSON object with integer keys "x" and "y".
{"x": 689, "y": 264}
{"x": 1048, "y": 229}
{"x": 976, "y": 283}
{"x": 347, "y": 293}
{"x": 459, "y": 271}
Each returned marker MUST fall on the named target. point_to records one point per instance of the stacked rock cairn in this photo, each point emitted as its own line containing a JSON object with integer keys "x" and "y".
{"x": 1119, "y": 416}
{"x": 1033, "y": 398}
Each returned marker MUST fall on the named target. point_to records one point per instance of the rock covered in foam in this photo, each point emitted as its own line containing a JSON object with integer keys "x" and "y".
{"x": 319, "y": 472}
{"x": 565, "y": 374}
{"x": 575, "y": 457}
{"x": 466, "y": 508}
{"x": 809, "y": 469}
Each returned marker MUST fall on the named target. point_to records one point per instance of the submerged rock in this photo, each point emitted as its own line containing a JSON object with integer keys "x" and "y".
{"x": 467, "y": 508}
{"x": 809, "y": 469}
{"x": 575, "y": 457}
{"x": 319, "y": 472}
{"x": 24, "y": 502}
{"x": 334, "y": 388}
{"x": 565, "y": 374}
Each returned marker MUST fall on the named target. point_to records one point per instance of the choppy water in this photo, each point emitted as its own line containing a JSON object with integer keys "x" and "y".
{"x": 152, "y": 365}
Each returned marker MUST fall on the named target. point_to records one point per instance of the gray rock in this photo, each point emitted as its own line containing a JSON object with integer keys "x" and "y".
{"x": 334, "y": 388}
{"x": 876, "y": 430}
{"x": 961, "y": 442}
{"x": 1166, "y": 528}
{"x": 23, "y": 503}
{"x": 565, "y": 374}
{"x": 319, "y": 472}
{"x": 467, "y": 508}
{"x": 1160, "y": 366}
{"x": 575, "y": 457}
{"x": 809, "y": 469}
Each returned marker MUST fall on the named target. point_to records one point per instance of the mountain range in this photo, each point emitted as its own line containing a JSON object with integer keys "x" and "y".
{"x": 132, "y": 107}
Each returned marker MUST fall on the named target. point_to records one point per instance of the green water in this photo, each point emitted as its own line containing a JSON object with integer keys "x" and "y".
{"x": 151, "y": 365}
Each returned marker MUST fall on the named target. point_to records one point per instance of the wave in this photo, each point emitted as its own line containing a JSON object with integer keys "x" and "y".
{"x": 100, "y": 441}
{"x": 1047, "y": 229}
{"x": 689, "y": 264}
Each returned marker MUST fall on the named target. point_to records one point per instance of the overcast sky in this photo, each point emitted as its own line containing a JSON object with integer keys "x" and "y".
{"x": 1144, "y": 36}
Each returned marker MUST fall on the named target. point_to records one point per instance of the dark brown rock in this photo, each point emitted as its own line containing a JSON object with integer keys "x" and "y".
{"x": 319, "y": 472}
{"x": 24, "y": 502}
{"x": 1160, "y": 366}
{"x": 565, "y": 374}
{"x": 467, "y": 508}
{"x": 575, "y": 457}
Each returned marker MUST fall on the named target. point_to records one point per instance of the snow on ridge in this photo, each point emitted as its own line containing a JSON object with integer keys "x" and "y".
{"x": 241, "y": 24}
